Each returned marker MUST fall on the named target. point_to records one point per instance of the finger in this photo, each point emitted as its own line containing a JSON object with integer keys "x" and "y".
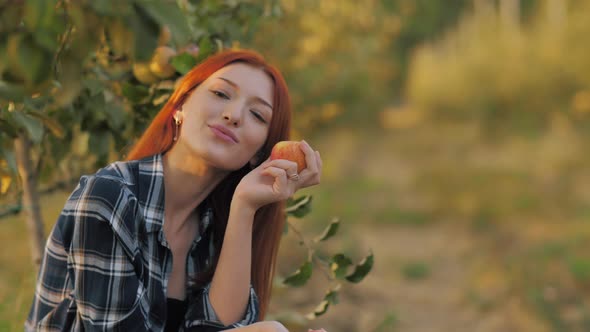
{"x": 289, "y": 166}
{"x": 265, "y": 163}
{"x": 310, "y": 157}
{"x": 319, "y": 160}
{"x": 281, "y": 185}
{"x": 311, "y": 175}
{"x": 275, "y": 172}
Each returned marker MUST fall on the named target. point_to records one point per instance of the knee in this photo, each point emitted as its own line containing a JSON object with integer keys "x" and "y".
{"x": 274, "y": 326}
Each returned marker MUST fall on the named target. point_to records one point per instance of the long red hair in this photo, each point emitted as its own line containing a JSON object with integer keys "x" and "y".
{"x": 269, "y": 220}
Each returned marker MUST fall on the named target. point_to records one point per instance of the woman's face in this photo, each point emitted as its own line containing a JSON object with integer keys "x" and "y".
{"x": 227, "y": 117}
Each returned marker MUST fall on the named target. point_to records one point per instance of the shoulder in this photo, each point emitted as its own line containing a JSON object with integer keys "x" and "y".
{"x": 108, "y": 182}
{"x": 105, "y": 195}
{"x": 102, "y": 205}
{"x": 122, "y": 172}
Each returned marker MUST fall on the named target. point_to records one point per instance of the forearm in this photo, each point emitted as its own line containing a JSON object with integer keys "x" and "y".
{"x": 230, "y": 287}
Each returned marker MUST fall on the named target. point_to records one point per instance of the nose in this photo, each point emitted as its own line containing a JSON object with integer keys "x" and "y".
{"x": 232, "y": 114}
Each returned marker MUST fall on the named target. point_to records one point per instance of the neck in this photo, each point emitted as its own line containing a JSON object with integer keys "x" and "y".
{"x": 188, "y": 180}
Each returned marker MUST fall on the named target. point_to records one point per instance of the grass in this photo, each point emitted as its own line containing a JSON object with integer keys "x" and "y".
{"x": 18, "y": 275}
{"x": 415, "y": 270}
{"x": 388, "y": 323}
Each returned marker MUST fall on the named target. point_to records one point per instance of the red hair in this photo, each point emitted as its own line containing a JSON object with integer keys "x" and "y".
{"x": 269, "y": 220}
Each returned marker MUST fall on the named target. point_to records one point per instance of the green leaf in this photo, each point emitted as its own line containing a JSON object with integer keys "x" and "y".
{"x": 33, "y": 127}
{"x": 339, "y": 265}
{"x": 116, "y": 116}
{"x": 294, "y": 201}
{"x": 110, "y": 8}
{"x": 8, "y": 156}
{"x": 205, "y": 48}
{"x": 145, "y": 32}
{"x": 37, "y": 103}
{"x": 135, "y": 93}
{"x": 332, "y": 295}
{"x": 11, "y": 92}
{"x": 169, "y": 14}
{"x": 329, "y": 231}
{"x": 32, "y": 108}
{"x": 7, "y": 128}
{"x": 99, "y": 142}
{"x": 48, "y": 122}
{"x": 68, "y": 84}
{"x": 47, "y": 39}
{"x": 299, "y": 207}
{"x": 361, "y": 270}
{"x": 301, "y": 276}
{"x": 33, "y": 13}
{"x": 183, "y": 63}
{"x": 32, "y": 60}
{"x": 94, "y": 86}
{"x": 321, "y": 309}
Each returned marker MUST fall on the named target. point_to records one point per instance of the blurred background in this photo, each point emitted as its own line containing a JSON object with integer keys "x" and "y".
{"x": 453, "y": 135}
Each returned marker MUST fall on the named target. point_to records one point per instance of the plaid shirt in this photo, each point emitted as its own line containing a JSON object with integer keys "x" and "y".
{"x": 107, "y": 263}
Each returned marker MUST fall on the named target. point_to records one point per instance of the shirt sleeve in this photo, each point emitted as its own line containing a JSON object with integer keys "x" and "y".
{"x": 87, "y": 280}
{"x": 202, "y": 314}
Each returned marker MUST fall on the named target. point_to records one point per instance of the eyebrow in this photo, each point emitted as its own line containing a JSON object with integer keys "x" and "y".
{"x": 255, "y": 97}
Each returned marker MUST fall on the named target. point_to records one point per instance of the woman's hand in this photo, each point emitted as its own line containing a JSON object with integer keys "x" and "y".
{"x": 275, "y": 180}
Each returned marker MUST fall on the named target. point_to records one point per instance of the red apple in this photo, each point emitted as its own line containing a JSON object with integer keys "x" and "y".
{"x": 289, "y": 150}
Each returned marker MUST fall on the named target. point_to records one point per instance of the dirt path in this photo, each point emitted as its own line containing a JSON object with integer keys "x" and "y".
{"x": 439, "y": 302}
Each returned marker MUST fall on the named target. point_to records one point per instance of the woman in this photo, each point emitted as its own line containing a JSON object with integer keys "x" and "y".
{"x": 185, "y": 233}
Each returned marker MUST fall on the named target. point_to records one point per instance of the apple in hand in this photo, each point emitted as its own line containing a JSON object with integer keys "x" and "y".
{"x": 289, "y": 150}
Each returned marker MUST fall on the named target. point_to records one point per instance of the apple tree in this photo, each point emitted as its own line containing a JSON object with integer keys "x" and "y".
{"x": 81, "y": 79}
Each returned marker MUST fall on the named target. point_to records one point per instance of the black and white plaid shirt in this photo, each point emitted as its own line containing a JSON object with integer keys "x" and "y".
{"x": 107, "y": 263}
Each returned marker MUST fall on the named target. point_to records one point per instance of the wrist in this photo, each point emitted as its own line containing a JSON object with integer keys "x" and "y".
{"x": 240, "y": 210}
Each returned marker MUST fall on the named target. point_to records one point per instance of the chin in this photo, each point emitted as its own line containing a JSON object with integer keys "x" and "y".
{"x": 219, "y": 157}
{"x": 226, "y": 163}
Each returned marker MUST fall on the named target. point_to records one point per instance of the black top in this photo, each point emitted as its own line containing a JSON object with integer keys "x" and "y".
{"x": 175, "y": 314}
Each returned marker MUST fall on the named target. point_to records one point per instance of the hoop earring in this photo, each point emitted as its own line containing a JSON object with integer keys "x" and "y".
{"x": 177, "y": 122}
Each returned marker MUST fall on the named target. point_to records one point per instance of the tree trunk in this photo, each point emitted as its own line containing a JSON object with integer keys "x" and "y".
{"x": 31, "y": 206}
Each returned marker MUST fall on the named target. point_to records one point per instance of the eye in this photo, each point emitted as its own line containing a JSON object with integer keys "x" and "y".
{"x": 220, "y": 94}
{"x": 258, "y": 116}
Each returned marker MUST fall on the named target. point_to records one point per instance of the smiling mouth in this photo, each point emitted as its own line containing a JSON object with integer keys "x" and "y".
{"x": 222, "y": 134}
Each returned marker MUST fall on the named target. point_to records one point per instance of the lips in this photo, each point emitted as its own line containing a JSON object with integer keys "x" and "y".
{"x": 224, "y": 133}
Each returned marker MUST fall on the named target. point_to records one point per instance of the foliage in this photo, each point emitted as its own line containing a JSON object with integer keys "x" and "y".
{"x": 346, "y": 60}
{"x": 508, "y": 80}
{"x": 92, "y": 73}
{"x": 336, "y": 269}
